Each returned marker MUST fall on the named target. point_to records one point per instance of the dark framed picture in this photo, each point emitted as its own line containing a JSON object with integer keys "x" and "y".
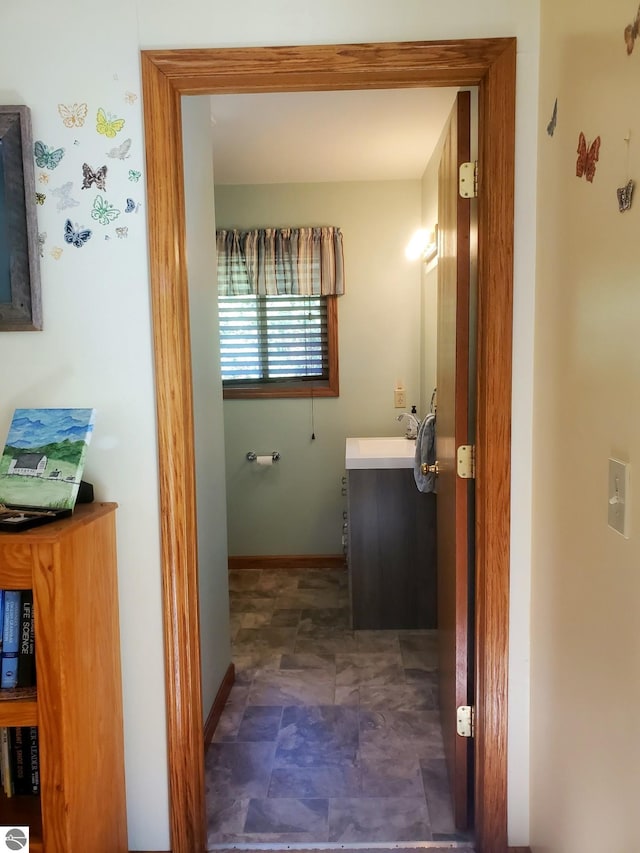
{"x": 20, "y": 305}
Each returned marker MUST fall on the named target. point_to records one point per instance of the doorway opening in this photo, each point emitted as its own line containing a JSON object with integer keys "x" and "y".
{"x": 167, "y": 75}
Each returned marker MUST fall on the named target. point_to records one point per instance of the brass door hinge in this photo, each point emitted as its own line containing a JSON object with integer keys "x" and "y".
{"x": 466, "y": 461}
{"x": 465, "y": 721}
{"x": 468, "y": 179}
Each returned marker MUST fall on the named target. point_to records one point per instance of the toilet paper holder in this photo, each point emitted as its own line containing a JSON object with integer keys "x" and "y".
{"x": 252, "y": 456}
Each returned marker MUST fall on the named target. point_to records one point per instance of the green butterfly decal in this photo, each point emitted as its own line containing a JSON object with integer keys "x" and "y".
{"x": 103, "y": 212}
{"x": 134, "y": 176}
{"x": 47, "y": 158}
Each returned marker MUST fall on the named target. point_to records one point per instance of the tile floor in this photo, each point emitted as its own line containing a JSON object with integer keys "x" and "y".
{"x": 329, "y": 735}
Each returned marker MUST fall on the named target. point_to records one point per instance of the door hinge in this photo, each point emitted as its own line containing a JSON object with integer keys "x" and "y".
{"x": 465, "y": 723}
{"x": 467, "y": 461}
{"x": 468, "y": 179}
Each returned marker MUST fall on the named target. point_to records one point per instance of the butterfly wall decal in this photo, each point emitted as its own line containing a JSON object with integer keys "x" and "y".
{"x": 631, "y": 32}
{"x": 40, "y": 198}
{"x": 90, "y": 177}
{"x": 42, "y": 238}
{"x": 103, "y": 212}
{"x": 63, "y": 194}
{"x": 625, "y": 194}
{"x": 43, "y": 178}
{"x": 551, "y": 127}
{"x": 131, "y": 206}
{"x": 47, "y": 158}
{"x": 75, "y": 235}
{"x": 120, "y": 152}
{"x": 108, "y": 124}
{"x": 587, "y": 157}
{"x": 74, "y": 115}
{"x": 134, "y": 175}
{"x": 130, "y": 97}
{"x": 56, "y": 252}
{"x": 122, "y": 233}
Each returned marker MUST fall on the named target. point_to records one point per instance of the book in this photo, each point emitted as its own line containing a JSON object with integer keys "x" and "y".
{"x": 18, "y": 746}
{"x": 5, "y": 763}
{"x": 34, "y": 759}
{"x": 10, "y": 639}
{"x": 26, "y": 652}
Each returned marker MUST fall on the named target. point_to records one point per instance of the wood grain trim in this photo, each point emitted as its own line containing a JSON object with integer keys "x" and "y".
{"x": 168, "y": 74}
{"x": 213, "y": 718}
{"x": 493, "y": 451}
{"x": 170, "y": 311}
{"x": 289, "y": 561}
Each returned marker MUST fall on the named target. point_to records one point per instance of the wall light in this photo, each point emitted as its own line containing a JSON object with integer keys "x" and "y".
{"x": 423, "y": 244}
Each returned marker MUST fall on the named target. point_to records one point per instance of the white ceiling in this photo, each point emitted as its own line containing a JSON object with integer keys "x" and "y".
{"x": 296, "y": 137}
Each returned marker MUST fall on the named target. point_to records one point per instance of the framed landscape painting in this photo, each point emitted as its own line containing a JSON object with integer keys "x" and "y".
{"x": 44, "y": 456}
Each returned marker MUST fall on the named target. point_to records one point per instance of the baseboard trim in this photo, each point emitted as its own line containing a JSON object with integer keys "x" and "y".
{"x": 289, "y": 561}
{"x": 219, "y": 702}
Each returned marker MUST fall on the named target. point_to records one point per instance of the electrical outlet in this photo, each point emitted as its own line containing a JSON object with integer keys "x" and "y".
{"x": 400, "y": 398}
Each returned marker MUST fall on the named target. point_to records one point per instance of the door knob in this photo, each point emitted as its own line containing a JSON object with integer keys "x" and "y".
{"x": 430, "y": 469}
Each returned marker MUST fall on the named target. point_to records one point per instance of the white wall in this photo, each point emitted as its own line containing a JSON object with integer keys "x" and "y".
{"x": 96, "y": 347}
{"x": 215, "y": 643}
{"x": 585, "y": 582}
{"x": 295, "y": 507}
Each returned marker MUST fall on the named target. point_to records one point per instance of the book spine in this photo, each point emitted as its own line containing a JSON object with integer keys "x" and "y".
{"x": 26, "y": 654}
{"x": 34, "y": 759}
{"x": 21, "y": 782}
{"x": 7, "y": 782}
{"x": 1, "y": 617}
{"x": 10, "y": 638}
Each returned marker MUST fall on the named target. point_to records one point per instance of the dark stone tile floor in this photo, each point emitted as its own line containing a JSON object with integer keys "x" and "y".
{"x": 329, "y": 735}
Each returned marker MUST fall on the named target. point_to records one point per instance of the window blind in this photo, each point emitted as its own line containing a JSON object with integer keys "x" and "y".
{"x": 273, "y": 338}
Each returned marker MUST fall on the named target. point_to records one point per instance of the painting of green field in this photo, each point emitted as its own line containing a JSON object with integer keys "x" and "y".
{"x": 43, "y": 459}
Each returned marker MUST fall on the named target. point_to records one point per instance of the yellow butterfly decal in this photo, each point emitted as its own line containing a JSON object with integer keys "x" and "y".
{"x": 56, "y": 252}
{"x": 74, "y": 115}
{"x": 107, "y": 124}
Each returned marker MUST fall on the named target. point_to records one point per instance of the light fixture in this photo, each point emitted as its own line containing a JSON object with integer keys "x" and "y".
{"x": 423, "y": 244}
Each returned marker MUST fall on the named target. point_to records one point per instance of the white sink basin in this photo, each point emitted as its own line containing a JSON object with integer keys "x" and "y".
{"x": 384, "y": 452}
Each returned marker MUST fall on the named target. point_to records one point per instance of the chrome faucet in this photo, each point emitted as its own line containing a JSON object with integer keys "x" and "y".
{"x": 412, "y": 424}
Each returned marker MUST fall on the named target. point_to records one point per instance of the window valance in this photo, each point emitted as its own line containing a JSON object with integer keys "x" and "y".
{"x": 278, "y": 261}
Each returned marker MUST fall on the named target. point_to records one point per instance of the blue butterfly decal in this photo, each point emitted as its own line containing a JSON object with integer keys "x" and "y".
{"x": 47, "y": 158}
{"x": 131, "y": 206}
{"x": 75, "y": 235}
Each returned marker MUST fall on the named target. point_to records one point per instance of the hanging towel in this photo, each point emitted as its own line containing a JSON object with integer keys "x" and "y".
{"x": 425, "y": 452}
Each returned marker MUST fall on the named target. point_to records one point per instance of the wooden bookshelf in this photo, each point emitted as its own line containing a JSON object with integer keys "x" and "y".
{"x": 71, "y": 567}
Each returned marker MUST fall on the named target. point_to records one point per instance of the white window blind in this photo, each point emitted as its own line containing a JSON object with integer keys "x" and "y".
{"x": 273, "y": 339}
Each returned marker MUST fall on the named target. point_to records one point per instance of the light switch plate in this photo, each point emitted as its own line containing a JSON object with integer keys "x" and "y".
{"x": 619, "y": 514}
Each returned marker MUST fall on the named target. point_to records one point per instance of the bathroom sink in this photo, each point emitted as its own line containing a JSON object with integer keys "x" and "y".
{"x": 383, "y": 452}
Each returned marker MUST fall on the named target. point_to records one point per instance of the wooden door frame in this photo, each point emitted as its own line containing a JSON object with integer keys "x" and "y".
{"x": 167, "y": 75}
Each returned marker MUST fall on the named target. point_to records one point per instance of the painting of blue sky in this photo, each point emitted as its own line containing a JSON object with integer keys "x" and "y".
{"x": 44, "y": 457}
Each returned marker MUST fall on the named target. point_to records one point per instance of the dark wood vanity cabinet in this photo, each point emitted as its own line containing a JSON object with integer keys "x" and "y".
{"x": 391, "y": 550}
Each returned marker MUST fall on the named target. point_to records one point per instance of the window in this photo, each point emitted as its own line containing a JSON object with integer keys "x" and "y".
{"x": 278, "y": 346}
{"x": 278, "y": 290}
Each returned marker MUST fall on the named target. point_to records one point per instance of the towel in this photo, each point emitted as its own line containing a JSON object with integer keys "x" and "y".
{"x": 425, "y": 452}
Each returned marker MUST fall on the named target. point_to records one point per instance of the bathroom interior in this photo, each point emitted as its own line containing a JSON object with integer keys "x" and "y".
{"x": 331, "y": 733}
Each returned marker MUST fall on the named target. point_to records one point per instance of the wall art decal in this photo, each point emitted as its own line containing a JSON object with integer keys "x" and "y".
{"x": 42, "y": 239}
{"x": 134, "y": 175}
{"x": 624, "y": 196}
{"x": 90, "y": 177}
{"x": 130, "y": 98}
{"x": 43, "y": 178}
{"x": 631, "y": 33}
{"x": 63, "y": 194}
{"x": 103, "y": 212}
{"x": 74, "y": 115}
{"x": 75, "y": 234}
{"x": 47, "y": 158}
{"x": 122, "y": 233}
{"x": 56, "y": 253}
{"x": 40, "y": 198}
{"x": 108, "y": 124}
{"x": 120, "y": 152}
{"x": 587, "y": 157}
{"x": 132, "y": 206}
{"x": 551, "y": 127}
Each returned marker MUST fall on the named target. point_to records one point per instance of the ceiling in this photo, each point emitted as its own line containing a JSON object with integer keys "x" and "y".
{"x": 296, "y": 137}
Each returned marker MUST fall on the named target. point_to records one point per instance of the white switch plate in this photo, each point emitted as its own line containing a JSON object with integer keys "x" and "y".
{"x": 619, "y": 514}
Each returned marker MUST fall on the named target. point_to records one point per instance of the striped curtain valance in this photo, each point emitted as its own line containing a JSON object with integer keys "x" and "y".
{"x": 278, "y": 261}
